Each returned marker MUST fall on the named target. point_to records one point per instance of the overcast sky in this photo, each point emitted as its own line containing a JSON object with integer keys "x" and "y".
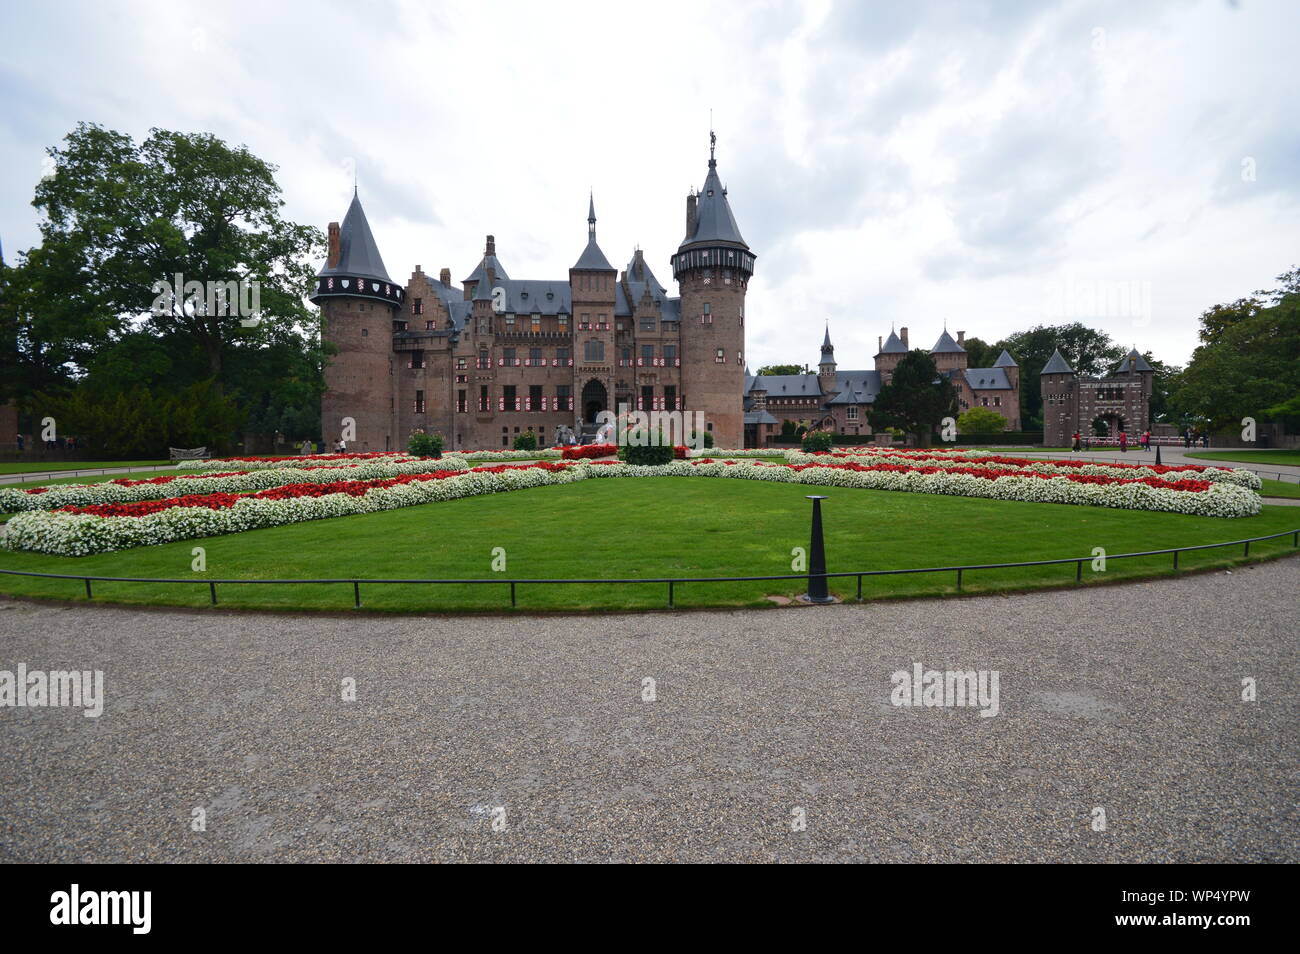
{"x": 994, "y": 165}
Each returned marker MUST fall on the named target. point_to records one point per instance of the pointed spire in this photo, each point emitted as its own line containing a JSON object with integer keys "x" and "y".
{"x": 358, "y": 253}
{"x": 1005, "y": 360}
{"x": 592, "y": 258}
{"x": 713, "y": 219}
{"x": 1057, "y": 364}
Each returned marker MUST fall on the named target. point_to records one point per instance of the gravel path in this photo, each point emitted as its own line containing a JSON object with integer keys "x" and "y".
{"x": 1125, "y": 699}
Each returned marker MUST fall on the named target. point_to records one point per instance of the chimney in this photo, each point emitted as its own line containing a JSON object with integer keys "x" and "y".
{"x": 491, "y": 246}
{"x": 880, "y": 343}
{"x": 638, "y": 266}
{"x": 445, "y": 277}
{"x": 961, "y": 337}
{"x": 691, "y": 215}
{"x": 332, "y": 260}
{"x": 902, "y": 334}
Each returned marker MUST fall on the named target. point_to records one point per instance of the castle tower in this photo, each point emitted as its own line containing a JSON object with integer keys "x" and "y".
{"x": 1060, "y": 408}
{"x": 890, "y": 353}
{"x": 592, "y": 283}
{"x": 359, "y": 304}
{"x": 1008, "y": 364}
{"x": 826, "y": 366}
{"x": 712, "y": 267}
{"x": 948, "y": 355}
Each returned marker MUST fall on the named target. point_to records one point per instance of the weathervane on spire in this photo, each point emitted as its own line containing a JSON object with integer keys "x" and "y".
{"x": 713, "y": 141}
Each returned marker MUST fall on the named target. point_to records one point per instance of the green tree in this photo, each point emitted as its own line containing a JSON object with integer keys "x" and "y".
{"x": 980, "y": 354}
{"x": 916, "y": 400}
{"x": 981, "y": 420}
{"x": 780, "y": 369}
{"x": 123, "y": 217}
{"x": 1249, "y": 363}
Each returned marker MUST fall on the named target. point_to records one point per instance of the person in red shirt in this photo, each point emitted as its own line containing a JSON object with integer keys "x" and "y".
{"x": 1123, "y": 441}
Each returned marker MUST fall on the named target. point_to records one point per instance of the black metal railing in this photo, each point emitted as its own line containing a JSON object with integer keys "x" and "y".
{"x": 671, "y": 582}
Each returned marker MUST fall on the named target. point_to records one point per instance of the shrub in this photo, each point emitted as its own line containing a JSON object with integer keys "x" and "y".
{"x": 425, "y": 445}
{"x": 817, "y": 441}
{"x": 526, "y": 441}
{"x": 653, "y": 455}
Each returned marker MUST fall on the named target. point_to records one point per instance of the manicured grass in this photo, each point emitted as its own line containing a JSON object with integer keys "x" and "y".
{"x": 1279, "y": 488}
{"x": 650, "y": 527}
{"x": 13, "y": 467}
{"x": 101, "y": 478}
{"x": 1283, "y": 458}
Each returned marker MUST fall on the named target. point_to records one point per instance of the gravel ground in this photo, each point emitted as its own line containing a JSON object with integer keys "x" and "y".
{"x": 1126, "y": 699}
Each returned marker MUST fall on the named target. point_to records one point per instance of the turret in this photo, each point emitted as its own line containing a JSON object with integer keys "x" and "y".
{"x": 890, "y": 353}
{"x": 826, "y": 366}
{"x": 712, "y": 266}
{"x": 592, "y": 282}
{"x": 1057, "y": 383}
{"x": 1008, "y": 364}
{"x": 359, "y": 304}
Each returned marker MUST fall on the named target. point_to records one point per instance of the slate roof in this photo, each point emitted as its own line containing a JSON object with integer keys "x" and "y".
{"x": 987, "y": 379}
{"x": 790, "y": 385}
{"x": 856, "y": 387}
{"x": 893, "y": 345}
{"x": 592, "y": 258}
{"x": 1141, "y": 362}
{"x": 945, "y": 345}
{"x": 760, "y": 417}
{"x": 358, "y": 253}
{"x": 1057, "y": 365}
{"x": 713, "y": 219}
{"x": 1005, "y": 360}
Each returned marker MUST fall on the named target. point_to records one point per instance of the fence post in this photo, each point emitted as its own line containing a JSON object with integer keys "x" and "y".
{"x": 859, "y": 587}
{"x": 212, "y": 590}
{"x": 512, "y": 594}
{"x": 89, "y": 595}
{"x": 1246, "y": 552}
{"x": 356, "y": 594}
{"x": 1078, "y": 573}
{"x": 1176, "y": 552}
{"x": 958, "y": 579}
{"x": 670, "y": 592}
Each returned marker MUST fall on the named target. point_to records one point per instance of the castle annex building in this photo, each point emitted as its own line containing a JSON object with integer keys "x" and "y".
{"x": 1121, "y": 400}
{"x": 838, "y": 400}
{"x": 493, "y": 357}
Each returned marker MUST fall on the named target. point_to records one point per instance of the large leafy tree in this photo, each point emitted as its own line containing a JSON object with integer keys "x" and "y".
{"x": 1089, "y": 351}
{"x": 916, "y": 400}
{"x": 780, "y": 369}
{"x": 1249, "y": 362}
{"x": 981, "y": 354}
{"x": 123, "y": 217}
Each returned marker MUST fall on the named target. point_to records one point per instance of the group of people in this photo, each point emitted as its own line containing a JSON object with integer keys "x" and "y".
{"x": 1192, "y": 436}
{"x": 1079, "y": 442}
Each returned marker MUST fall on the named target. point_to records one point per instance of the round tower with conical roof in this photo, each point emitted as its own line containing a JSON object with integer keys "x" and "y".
{"x": 713, "y": 266}
{"x": 359, "y": 304}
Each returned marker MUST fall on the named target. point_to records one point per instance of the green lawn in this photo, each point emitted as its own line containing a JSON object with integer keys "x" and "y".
{"x": 13, "y": 467}
{"x": 1283, "y": 458}
{"x": 651, "y": 527}
{"x": 1278, "y": 488}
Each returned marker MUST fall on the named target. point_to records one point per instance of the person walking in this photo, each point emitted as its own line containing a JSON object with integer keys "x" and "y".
{"x": 1146, "y": 440}
{"x": 1076, "y": 442}
{"x": 1123, "y": 442}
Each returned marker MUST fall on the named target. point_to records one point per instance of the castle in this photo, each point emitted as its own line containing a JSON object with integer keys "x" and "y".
{"x": 838, "y": 400}
{"x": 1122, "y": 399}
{"x": 485, "y": 362}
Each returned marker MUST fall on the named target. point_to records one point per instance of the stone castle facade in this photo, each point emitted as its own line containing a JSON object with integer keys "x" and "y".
{"x": 1121, "y": 400}
{"x": 482, "y": 362}
{"x": 838, "y": 400}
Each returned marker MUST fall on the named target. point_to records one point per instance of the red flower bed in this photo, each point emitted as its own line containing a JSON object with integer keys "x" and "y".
{"x": 1195, "y": 486}
{"x": 354, "y": 488}
{"x": 589, "y": 451}
{"x": 1026, "y": 461}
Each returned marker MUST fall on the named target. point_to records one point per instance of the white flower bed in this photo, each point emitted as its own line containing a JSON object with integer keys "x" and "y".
{"x": 13, "y": 499}
{"x": 67, "y": 534}
{"x": 542, "y": 453}
{"x": 746, "y": 452}
{"x": 1231, "y": 475}
{"x": 318, "y": 460}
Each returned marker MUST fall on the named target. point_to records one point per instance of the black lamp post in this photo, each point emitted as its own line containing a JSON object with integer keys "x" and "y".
{"x": 817, "y": 592}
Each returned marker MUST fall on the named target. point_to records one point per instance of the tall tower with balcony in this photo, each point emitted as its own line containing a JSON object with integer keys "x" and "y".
{"x": 359, "y": 304}
{"x": 591, "y": 282}
{"x": 713, "y": 266}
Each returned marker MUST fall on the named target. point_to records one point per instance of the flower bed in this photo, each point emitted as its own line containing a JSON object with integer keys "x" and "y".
{"x": 998, "y": 462}
{"x": 126, "y": 490}
{"x": 76, "y": 531}
{"x": 310, "y": 460}
{"x": 542, "y": 453}
{"x": 589, "y": 451}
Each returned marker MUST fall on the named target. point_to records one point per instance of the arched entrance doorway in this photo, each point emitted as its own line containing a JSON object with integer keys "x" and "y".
{"x": 595, "y": 398}
{"x": 1107, "y": 425}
